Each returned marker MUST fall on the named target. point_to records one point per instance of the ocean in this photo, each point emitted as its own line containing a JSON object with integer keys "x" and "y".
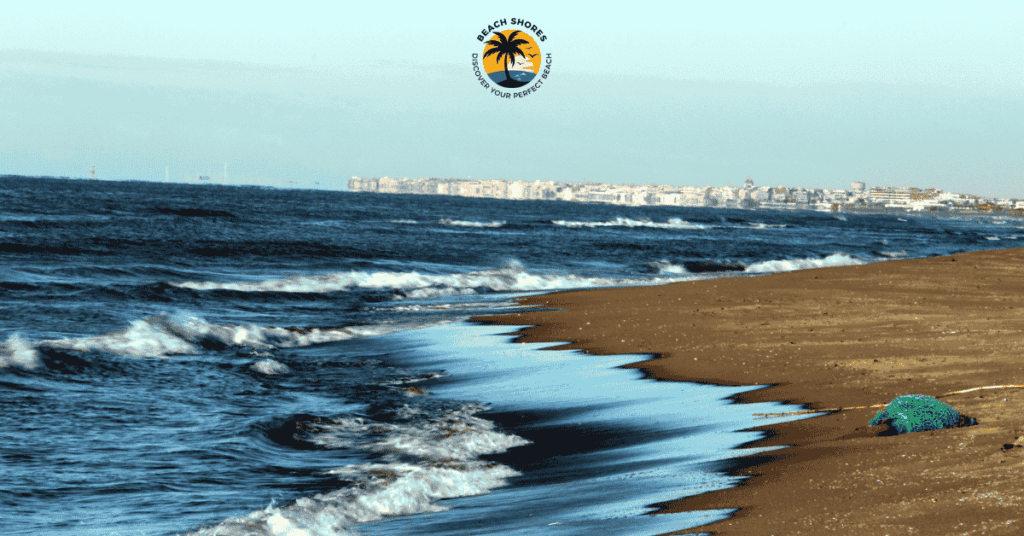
{"x": 218, "y": 360}
{"x": 519, "y": 76}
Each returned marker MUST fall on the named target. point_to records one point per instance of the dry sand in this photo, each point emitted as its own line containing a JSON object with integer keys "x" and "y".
{"x": 838, "y": 338}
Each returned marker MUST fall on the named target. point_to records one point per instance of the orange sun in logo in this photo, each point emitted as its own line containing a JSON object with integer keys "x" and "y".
{"x": 511, "y": 58}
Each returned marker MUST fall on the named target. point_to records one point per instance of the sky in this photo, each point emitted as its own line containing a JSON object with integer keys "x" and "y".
{"x": 309, "y": 94}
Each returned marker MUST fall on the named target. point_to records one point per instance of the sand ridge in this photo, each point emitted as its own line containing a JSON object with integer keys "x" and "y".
{"x": 829, "y": 338}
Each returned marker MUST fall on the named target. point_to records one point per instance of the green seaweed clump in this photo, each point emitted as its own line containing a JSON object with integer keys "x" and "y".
{"x": 918, "y": 413}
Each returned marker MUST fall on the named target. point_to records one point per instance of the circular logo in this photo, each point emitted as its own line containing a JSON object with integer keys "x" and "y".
{"x": 511, "y": 64}
{"x": 509, "y": 56}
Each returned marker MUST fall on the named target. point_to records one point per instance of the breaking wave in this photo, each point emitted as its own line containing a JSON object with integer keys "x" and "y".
{"x": 15, "y": 352}
{"x": 788, "y": 265}
{"x": 666, "y": 267}
{"x": 164, "y": 335}
{"x": 755, "y": 225}
{"x": 270, "y": 367}
{"x": 426, "y": 457}
{"x": 672, "y": 223}
{"x": 463, "y": 223}
{"x": 511, "y": 277}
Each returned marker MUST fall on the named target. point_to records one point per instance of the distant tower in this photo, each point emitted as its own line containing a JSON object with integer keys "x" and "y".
{"x": 92, "y": 173}
{"x": 749, "y": 183}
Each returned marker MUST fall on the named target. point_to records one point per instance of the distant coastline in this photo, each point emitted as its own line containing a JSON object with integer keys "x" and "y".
{"x": 876, "y": 200}
{"x": 859, "y": 199}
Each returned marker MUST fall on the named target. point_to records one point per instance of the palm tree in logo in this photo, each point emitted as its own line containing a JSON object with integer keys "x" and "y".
{"x": 507, "y": 49}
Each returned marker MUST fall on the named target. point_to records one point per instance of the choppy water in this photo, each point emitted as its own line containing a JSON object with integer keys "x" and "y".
{"x": 221, "y": 360}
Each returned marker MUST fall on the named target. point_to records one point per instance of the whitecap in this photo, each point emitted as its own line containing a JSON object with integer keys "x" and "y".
{"x": 755, "y": 225}
{"x": 431, "y": 458}
{"x": 165, "y": 335}
{"x": 270, "y": 367}
{"x": 666, "y": 267}
{"x": 463, "y": 223}
{"x": 512, "y": 277}
{"x": 376, "y": 491}
{"x": 672, "y": 223}
{"x": 15, "y": 352}
{"x": 788, "y": 265}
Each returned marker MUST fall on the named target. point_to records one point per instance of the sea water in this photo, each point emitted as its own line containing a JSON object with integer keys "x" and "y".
{"x": 202, "y": 359}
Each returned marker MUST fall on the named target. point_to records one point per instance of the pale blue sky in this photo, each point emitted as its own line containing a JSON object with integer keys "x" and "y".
{"x": 800, "y": 94}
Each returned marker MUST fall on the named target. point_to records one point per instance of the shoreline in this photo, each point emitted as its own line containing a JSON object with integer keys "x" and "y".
{"x": 829, "y": 338}
{"x": 603, "y": 444}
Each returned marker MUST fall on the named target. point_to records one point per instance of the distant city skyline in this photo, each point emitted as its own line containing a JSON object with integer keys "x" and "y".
{"x": 750, "y": 196}
{"x": 806, "y": 95}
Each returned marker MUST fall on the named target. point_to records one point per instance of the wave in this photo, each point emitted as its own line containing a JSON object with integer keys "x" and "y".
{"x": 511, "y": 277}
{"x": 270, "y": 367}
{"x": 194, "y": 212}
{"x": 756, "y": 225}
{"x": 455, "y": 434}
{"x": 406, "y": 222}
{"x": 164, "y": 335}
{"x": 429, "y": 457}
{"x": 672, "y": 223}
{"x": 788, "y": 265}
{"x": 463, "y": 223}
{"x": 15, "y": 352}
{"x": 666, "y": 267}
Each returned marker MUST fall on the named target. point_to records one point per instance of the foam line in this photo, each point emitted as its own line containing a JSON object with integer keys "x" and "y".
{"x": 512, "y": 277}
{"x": 463, "y": 223}
{"x": 164, "y": 335}
{"x": 672, "y": 223}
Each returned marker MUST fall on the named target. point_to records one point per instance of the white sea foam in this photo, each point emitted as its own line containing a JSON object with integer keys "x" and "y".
{"x": 15, "y": 352}
{"x": 457, "y": 435}
{"x": 902, "y": 253}
{"x": 377, "y": 491}
{"x": 463, "y": 223}
{"x": 666, "y": 267}
{"x": 512, "y": 277}
{"x": 406, "y": 222}
{"x": 270, "y": 367}
{"x": 788, "y": 265}
{"x": 754, "y": 225}
{"x": 143, "y": 338}
{"x": 164, "y": 335}
{"x": 991, "y": 238}
{"x": 672, "y": 223}
{"x": 425, "y": 461}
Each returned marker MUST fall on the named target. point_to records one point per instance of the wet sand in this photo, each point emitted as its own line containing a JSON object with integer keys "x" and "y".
{"x": 831, "y": 338}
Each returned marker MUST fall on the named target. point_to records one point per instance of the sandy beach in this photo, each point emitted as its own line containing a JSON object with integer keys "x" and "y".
{"x": 837, "y": 340}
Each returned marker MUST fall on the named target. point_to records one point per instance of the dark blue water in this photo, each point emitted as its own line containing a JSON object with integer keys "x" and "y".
{"x": 228, "y": 360}
{"x": 519, "y": 76}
